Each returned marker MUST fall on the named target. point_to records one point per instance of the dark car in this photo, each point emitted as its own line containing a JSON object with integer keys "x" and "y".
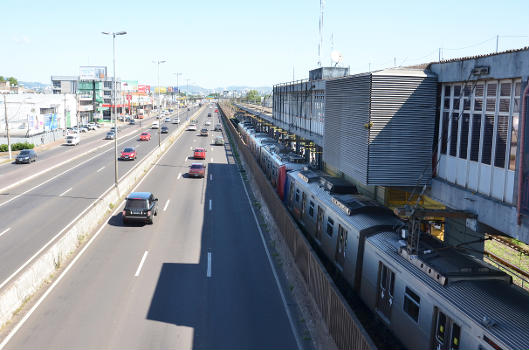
{"x": 197, "y": 170}
{"x": 26, "y": 156}
{"x": 164, "y": 130}
{"x": 140, "y": 207}
{"x": 132, "y": 122}
{"x": 110, "y": 135}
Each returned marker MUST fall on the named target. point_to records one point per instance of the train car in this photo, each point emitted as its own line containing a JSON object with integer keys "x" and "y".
{"x": 439, "y": 299}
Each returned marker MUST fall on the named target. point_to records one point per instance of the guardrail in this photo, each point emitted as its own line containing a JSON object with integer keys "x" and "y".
{"x": 45, "y": 264}
{"x": 341, "y": 321}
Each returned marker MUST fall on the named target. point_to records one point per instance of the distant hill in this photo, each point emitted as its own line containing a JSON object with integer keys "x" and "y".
{"x": 34, "y": 85}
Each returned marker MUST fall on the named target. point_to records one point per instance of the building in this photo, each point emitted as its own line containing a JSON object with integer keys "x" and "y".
{"x": 64, "y": 84}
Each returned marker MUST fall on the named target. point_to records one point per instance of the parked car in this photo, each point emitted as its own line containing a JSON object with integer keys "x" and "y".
{"x": 26, "y": 156}
{"x": 73, "y": 139}
{"x": 140, "y": 207}
{"x": 199, "y": 153}
{"x": 129, "y": 153}
{"x": 197, "y": 170}
{"x": 91, "y": 126}
{"x": 219, "y": 140}
{"x": 164, "y": 130}
{"x": 218, "y": 127}
{"x": 110, "y": 135}
{"x": 145, "y": 136}
{"x": 204, "y": 132}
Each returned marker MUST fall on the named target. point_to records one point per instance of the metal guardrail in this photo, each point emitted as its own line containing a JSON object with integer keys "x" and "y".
{"x": 342, "y": 323}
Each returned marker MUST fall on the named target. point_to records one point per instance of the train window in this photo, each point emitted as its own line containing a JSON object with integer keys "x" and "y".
{"x": 412, "y": 303}
{"x": 440, "y": 331}
{"x": 330, "y": 226}
{"x": 297, "y": 195}
{"x": 311, "y": 209}
{"x": 492, "y": 343}
{"x": 456, "y": 332}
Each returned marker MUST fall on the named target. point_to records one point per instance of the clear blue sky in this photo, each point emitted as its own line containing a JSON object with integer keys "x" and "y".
{"x": 255, "y": 43}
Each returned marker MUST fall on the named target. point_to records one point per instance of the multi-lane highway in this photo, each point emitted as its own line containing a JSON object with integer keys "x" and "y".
{"x": 199, "y": 277}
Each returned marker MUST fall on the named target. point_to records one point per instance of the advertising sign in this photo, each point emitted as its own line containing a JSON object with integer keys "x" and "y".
{"x": 92, "y": 72}
{"x": 129, "y": 85}
{"x": 144, "y": 88}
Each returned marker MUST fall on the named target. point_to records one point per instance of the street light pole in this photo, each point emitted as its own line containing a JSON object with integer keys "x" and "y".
{"x": 114, "y": 102}
{"x": 7, "y": 129}
{"x": 177, "y": 94}
{"x": 159, "y": 104}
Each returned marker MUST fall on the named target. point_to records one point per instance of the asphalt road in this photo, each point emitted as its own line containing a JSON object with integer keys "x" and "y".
{"x": 34, "y": 213}
{"x": 197, "y": 278}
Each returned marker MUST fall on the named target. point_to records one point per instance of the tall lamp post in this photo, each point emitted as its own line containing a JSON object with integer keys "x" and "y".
{"x": 177, "y": 94}
{"x": 159, "y": 102}
{"x": 114, "y": 102}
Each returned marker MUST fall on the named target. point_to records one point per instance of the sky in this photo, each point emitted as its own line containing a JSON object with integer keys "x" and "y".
{"x": 251, "y": 43}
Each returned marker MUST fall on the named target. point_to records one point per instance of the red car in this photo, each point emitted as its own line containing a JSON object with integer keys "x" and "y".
{"x": 197, "y": 170}
{"x": 145, "y": 136}
{"x": 200, "y": 153}
{"x": 129, "y": 153}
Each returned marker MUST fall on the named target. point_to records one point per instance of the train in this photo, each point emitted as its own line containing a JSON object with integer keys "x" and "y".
{"x": 441, "y": 298}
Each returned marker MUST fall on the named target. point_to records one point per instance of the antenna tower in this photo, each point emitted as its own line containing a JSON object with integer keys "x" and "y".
{"x": 322, "y": 5}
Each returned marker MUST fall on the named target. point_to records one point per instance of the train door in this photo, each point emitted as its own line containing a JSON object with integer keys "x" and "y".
{"x": 447, "y": 333}
{"x": 291, "y": 195}
{"x": 319, "y": 223}
{"x": 341, "y": 245}
{"x": 386, "y": 286}
{"x": 303, "y": 204}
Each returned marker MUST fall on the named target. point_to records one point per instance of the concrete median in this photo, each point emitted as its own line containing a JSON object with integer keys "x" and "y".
{"x": 44, "y": 265}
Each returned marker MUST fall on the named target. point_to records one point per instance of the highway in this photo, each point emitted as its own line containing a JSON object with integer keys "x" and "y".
{"x": 34, "y": 213}
{"x": 199, "y": 277}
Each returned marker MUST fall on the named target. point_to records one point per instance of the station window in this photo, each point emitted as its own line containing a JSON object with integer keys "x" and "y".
{"x": 311, "y": 209}
{"x": 330, "y": 226}
{"x": 412, "y": 303}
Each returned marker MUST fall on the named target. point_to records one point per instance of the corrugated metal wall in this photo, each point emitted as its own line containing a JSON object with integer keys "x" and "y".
{"x": 346, "y": 112}
{"x": 401, "y": 135}
{"x": 379, "y": 127}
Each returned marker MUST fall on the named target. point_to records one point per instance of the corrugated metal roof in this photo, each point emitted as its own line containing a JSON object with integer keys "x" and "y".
{"x": 506, "y": 304}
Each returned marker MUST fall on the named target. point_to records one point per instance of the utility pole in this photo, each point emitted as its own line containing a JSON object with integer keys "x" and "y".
{"x": 7, "y": 129}
{"x": 159, "y": 103}
{"x": 497, "y": 42}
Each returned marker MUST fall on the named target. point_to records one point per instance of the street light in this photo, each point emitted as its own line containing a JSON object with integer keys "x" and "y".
{"x": 177, "y": 94}
{"x": 114, "y": 102}
{"x": 159, "y": 103}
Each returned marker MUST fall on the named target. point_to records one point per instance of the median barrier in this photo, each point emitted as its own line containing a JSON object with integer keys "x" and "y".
{"x": 42, "y": 269}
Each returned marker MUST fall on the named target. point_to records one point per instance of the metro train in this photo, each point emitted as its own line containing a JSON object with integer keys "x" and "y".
{"x": 441, "y": 298}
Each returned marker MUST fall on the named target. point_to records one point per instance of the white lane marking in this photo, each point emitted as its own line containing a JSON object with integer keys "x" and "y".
{"x": 210, "y": 205}
{"x": 185, "y": 159}
{"x": 98, "y": 170}
{"x": 209, "y": 265}
{"x": 4, "y": 231}
{"x": 211, "y": 159}
{"x": 191, "y": 147}
{"x": 210, "y": 177}
{"x": 166, "y": 205}
{"x": 290, "y": 319}
{"x": 141, "y": 264}
{"x": 68, "y": 190}
{"x": 194, "y": 140}
{"x": 179, "y": 176}
{"x": 211, "y": 149}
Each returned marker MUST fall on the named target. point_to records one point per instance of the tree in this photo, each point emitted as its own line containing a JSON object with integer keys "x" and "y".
{"x": 253, "y": 96}
{"x": 2, "y": 79}
{"x": 12, "y": 81}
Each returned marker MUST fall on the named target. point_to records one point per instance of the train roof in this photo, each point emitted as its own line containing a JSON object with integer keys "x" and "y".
{"x": 502, "y": 306}
{"x": 361, "y": 218}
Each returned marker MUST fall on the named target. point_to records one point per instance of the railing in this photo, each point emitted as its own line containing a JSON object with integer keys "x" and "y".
{"x": 342, "y": 323}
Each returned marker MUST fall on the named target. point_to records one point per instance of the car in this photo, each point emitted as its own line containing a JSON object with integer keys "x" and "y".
{"x": 219, "y": 140}
{"x": 73, "y": 139}
{"x": 128, "y": 153}
{"x": 216, "y": 111}
{"x": 164, "y": 130}
{"x": 140, "y": 207}
{"x": 26, "y": 156}
{"x": 110, "y": 135}
{"x": 192, "y": 127}
{"x": 145, "y": 136}
{"x": 81, "y": 129}
{"x": 207, "y": 123}
{"x": 167, "y": 119}
{"x": 114, "y": 129}
{"x": 199, "y": 153}
{"x": 209, "y": 114}
{"x": 132, "y": 122}
{"x": 92, "y": 126}
{"x": 197, "y": 170}
{"x": 155, "y": 125}
{"x": 218, "y": 127}
{"x": 204, "y": 132}
{"x": 176, "y": 120}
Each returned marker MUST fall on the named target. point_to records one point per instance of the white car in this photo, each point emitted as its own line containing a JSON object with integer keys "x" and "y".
{"x": 208, "y": 123}
{"x": 176, "y": 120}
{"x": 73, "y": 140}
{"x": 167, "y": 119}
{"x": 192, "y": 127}
{"x": 155, "y": 125}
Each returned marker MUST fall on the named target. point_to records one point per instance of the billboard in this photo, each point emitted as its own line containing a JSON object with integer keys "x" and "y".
{"x": 92, "y": 72}
{"x": 144, "y": 88}
{"x": 129, "y": 85}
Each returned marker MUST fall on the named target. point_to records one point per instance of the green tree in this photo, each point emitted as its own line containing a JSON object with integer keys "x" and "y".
{"x": 2, "y": 79}
{"x": 13, "y": 81}
{"x": 253, "y": 96}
